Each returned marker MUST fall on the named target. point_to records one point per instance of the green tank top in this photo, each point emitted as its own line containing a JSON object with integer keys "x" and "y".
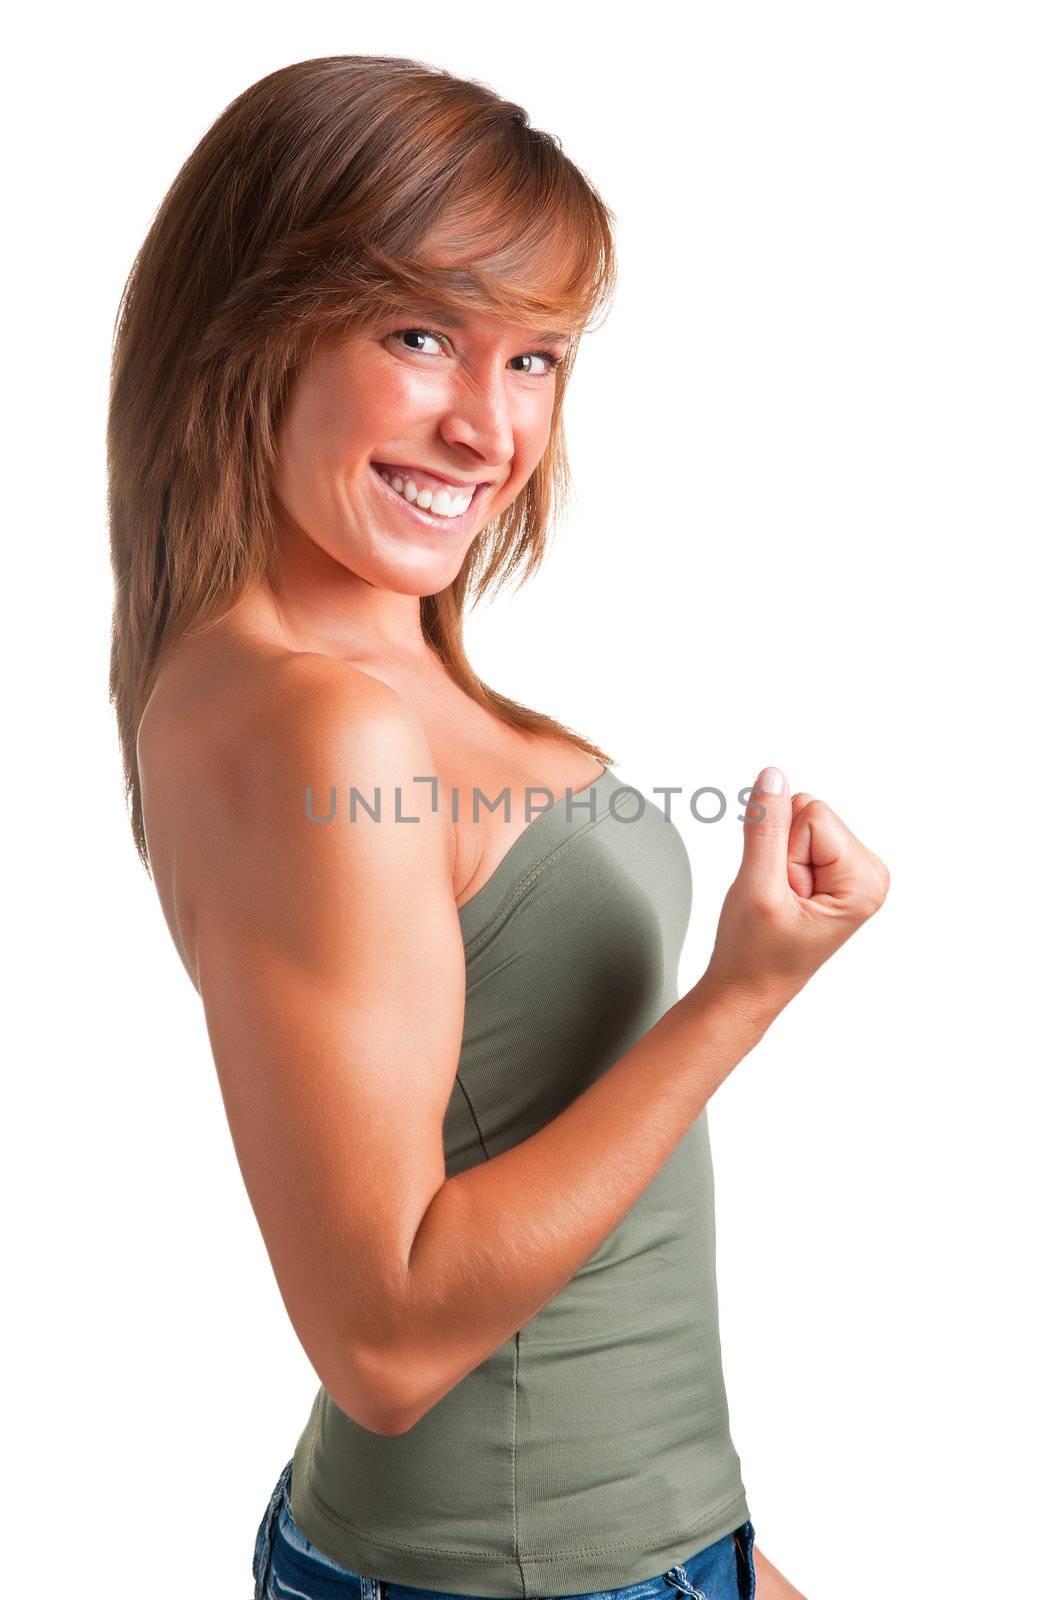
{"x": 593, "y": 1449}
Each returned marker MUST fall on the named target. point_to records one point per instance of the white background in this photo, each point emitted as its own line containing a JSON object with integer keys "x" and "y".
{"x": 817, "y": 461}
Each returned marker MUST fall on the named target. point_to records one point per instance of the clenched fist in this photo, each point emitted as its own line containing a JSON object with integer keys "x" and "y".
{"x": 805, "y": 884}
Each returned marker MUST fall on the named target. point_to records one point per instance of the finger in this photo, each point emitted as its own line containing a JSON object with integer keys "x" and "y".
{"x": 822, "y": 851}
{"x": 799, "y": 853}
{"x": 766, "y": 832}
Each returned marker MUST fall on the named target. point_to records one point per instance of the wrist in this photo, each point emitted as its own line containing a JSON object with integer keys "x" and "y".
{"x": 744, "y": 1004}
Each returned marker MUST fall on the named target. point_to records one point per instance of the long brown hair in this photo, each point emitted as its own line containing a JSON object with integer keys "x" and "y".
{"x": 322, "y": 199}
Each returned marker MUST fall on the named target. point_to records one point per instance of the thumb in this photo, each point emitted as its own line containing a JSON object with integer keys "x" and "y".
{"x": 766, "y": 824}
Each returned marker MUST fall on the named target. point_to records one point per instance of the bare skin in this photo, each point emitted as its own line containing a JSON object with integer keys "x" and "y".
{"x": 771, "y": 1585}
{"x": 343, "y": 616}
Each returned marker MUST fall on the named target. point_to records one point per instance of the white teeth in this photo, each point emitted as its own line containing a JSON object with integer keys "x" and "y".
{"x": 443, "y": 503}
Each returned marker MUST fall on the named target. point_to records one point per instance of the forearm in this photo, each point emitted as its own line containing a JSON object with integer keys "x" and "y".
{"x": 498, "y": 1241}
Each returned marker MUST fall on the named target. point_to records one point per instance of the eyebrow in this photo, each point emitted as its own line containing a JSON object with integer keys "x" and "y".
{"x": 444, "y": 314}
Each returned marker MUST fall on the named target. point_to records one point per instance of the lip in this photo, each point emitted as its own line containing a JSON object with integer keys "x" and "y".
{"x": 426, "y": 519}
{"x": 424, "y": 475}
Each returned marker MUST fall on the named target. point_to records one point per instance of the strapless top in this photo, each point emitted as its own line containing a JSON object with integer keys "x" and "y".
{"x": 593, "y": 1449}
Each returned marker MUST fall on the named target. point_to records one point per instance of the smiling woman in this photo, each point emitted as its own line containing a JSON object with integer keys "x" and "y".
{"x": 361, "y": 422}
{"x": 329, "y": 206}
{"x": 464, "y": 1093}
{"x": 448, "y": 498}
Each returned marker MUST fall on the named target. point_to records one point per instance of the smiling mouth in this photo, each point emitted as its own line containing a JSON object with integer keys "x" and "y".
{"x": 440, "y": 506}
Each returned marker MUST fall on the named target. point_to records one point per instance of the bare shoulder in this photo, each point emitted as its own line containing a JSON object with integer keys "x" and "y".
{"x": 237, "y": 720}
{"x": 227, "y": 692}
{"x": 318, "y": 731}
{"x": 310, "y": 708}
{"x": 279, "y": 855}
{"x": 243, "y": 751}
{"x": 305, "y": 732}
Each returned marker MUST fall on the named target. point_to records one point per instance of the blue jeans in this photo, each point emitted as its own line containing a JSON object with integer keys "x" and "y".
{"x": 288, "y": 1567}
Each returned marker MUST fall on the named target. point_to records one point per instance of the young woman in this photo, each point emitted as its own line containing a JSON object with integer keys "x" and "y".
{"x": 465, "y": 1095}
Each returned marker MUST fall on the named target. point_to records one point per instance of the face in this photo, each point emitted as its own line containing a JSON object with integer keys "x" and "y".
{"x": 398, "y": 445}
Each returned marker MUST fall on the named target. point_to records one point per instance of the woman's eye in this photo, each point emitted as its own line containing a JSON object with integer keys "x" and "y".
{"x": 550, "y": 362}
{"x": 418, "y": 333}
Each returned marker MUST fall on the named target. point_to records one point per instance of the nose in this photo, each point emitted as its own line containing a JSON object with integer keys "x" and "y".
{"x": 479, "y": 418}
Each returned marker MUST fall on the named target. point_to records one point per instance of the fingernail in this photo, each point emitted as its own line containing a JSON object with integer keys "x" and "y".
{"x": 772, "y": 779}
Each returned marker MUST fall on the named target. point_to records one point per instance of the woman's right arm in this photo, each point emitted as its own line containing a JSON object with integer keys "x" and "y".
{"x": 499, "y": 1240}
{"x": 330, "y": 962}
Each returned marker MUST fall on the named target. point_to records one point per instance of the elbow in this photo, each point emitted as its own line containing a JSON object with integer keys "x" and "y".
{"x": 395, "y": 1422}
{"x": 385, "y": 1399}
{"x": 383, "y": 1419}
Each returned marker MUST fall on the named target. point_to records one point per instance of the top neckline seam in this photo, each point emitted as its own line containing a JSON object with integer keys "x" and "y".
{"x": 529, "y": 828}
{"x": 533, "y": 870}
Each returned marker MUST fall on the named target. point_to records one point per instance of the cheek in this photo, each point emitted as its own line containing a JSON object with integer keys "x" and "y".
{"x": 307, "y": 429}
{"x": 532, "y": 431}
{"x": 339, "y": 409}
{"x": 534, "y": 415}
{"x": 383, "y": 396}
